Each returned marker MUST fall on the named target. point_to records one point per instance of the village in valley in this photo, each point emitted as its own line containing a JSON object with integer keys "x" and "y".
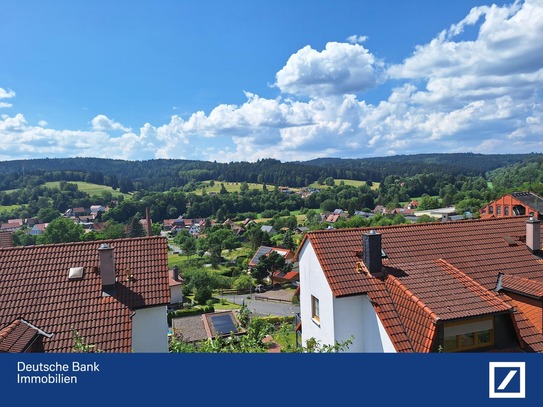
{"x": 336, "y": 265}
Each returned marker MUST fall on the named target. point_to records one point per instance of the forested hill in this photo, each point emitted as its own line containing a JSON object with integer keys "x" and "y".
{"x": 377, "y": 168}
{"x": 163, "y": 174}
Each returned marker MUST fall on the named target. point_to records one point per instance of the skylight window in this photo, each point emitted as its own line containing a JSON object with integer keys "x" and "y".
{"x": 75, "y": 273}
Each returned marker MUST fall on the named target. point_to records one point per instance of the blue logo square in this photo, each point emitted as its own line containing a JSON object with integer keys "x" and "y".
{"x": 507, "y": 379}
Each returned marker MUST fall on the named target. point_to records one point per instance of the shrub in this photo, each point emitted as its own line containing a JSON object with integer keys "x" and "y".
{"x": 203, "y": 294}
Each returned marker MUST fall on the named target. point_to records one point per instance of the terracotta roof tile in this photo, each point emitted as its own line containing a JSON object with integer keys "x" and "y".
{"x": 467, "y": 255}
{"x": 476, "y": 247}
{"x": 6, "y": 238}
{"x": 530, "y": 335}
{"x": 17, "y": 336}
{"x": 442, "y": 293}
{"x": 522, "y": 286}
{"x": 34, "y": 285}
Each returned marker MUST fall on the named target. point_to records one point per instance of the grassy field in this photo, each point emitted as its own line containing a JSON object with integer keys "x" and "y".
{"x": 9, "y": 208}
{"x": 232, "y": 187}
{"x": 235, "y": 186}
{"x": 355, "y": 183}
{"x": 89, "y": 188}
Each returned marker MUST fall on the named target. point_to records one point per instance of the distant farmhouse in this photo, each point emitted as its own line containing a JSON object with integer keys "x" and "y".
{"x": 515, "y": 204}
{"x": 277, "y": 276}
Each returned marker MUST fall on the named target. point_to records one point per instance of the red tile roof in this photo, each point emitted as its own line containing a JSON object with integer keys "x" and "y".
{"x": 18, "y": 336}
{"x": 172, "y": 281}
{"x": 467, "y": 255}
{"x": 522, "y": 286}
{"x": 476, "y": 247}
{"x": 266, "y": 250}
{"x": 6, "y": 239}
{"x": 443, "y": 293}
{"x": 531, "y": 336}
{"x": 34, "y": 285}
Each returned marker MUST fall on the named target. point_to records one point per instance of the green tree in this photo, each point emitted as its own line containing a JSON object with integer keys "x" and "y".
{"x": 201, "y": 282}
{"x": 46, "y": 215}
{"x": 22, "y": 238}
{"x": 288, "y": 242}
{"x": 267, "y": 264}
{"x": 156, "y": 228}
{"x": 113, "y": 230}
{"x": 189, "y": 246}
{"x": 81, "y": 346}
{"x": 425, "y": 219}
{"x": 243, "y": 282}
{"x": 135, "y": 228}
{"x": 428, "y": 202}
{"x": 61, "y": 230}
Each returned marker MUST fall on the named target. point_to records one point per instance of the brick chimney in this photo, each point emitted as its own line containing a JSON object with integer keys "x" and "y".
{"x": 107, "y": 265}
{"x": 371, "y": 254}
{"x": 533, "y": 234}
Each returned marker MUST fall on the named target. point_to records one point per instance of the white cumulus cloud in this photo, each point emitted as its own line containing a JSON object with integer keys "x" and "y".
{"x": 451, "y": 94}
{"x": 104, "y": 123}
{"x": 341, "y": 68}
{"x": 6, "y": 94}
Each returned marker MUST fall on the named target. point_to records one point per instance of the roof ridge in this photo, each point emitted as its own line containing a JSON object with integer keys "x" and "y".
{"x": 418, "y": 302}
{"x": 89, "y": 242}
{"x": 400, "y": 319}
{"x": 421, "y": 225}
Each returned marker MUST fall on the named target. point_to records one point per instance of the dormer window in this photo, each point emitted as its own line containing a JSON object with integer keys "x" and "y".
{"x": 467, "y": 335}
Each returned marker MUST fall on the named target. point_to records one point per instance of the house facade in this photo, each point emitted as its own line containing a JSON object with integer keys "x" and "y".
{"x": 455, "y": 286}
{"x": 328, "y": 318}
{"x": 113, "y": 293}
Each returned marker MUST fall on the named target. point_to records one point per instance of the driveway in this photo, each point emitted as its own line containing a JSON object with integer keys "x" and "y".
{"x": 273, "y": 302}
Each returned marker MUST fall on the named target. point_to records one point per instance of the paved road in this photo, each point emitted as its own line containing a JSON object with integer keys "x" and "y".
{"x": 264, "y": 308}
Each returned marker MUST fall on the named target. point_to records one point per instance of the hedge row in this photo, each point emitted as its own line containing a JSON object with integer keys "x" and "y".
{"x": 189, "y": 311}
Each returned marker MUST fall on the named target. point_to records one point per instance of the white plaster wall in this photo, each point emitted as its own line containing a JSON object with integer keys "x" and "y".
{"x": 176, "y": 293}
{"x": 356, "y": 316}
{"x": 313, "y": 282}
{"x": 342, "y": 317}
{"x": 349, "y": 314}
{"x": 150, "y": 330}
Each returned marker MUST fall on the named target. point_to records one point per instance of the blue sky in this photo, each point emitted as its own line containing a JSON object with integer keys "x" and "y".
{"x": 291, "y": 80}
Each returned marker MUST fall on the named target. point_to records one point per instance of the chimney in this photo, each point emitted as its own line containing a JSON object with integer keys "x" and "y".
{"x": 371, "y": 255}
{"x": 107, "y": 265}
{"x": 176, "y": 273}
{"x": 148, "y": 222}
{"x": 533, "y": 234}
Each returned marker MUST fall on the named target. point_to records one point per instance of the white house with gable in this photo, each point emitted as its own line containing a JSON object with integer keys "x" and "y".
{"x": 424, "y": 287}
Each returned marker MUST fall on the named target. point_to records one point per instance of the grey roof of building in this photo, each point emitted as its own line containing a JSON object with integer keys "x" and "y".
{"x": 530, "y": 199}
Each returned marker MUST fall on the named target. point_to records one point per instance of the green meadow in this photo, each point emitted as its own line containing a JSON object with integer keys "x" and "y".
{"x": 89, "y": 188}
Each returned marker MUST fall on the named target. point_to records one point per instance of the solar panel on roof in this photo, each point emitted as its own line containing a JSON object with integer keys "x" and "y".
{"x": 223, "y": 324}
{"x": 262, "y": 251}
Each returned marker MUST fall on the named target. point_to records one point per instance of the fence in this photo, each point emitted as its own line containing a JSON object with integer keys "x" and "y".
{"x": 264, "y": 298}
